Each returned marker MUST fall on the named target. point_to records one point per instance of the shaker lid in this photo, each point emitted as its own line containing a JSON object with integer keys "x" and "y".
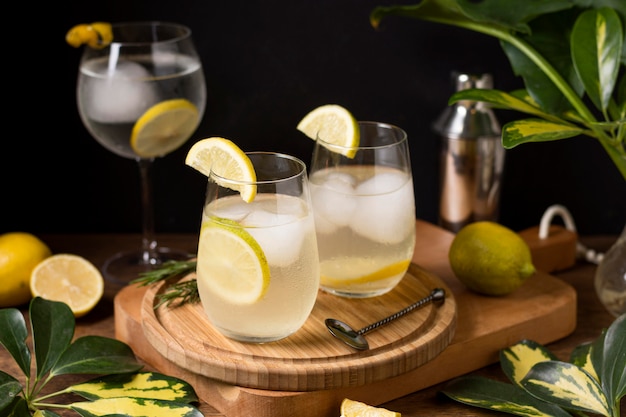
{"x": 468, "y": 119}
{"x": 464, "y": 81}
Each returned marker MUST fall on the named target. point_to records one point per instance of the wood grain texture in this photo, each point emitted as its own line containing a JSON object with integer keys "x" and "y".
{"x": 311, "y": 358}
{"x": 543, "y": 309}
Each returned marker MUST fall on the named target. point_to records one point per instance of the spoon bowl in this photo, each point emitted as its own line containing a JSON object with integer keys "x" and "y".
{"x": 356, "y": 338}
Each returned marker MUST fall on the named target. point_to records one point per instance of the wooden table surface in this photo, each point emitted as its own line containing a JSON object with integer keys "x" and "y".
{"x": 591, "y": 317}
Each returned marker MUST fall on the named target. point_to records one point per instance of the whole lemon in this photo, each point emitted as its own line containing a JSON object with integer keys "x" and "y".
{"x": 490, "y": 259}
{"x": 20, "y": 252}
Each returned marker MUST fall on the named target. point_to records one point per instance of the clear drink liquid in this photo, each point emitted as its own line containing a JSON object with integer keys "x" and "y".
{"x": 365, "y": 224}
{"x": 283, "y": 226}
{"x": 110, "y": 100}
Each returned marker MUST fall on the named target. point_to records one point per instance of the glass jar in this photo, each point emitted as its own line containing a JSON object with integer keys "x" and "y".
{"x": 610, "y": 277}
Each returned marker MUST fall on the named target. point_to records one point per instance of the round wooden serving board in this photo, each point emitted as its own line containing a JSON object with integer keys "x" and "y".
{"x": 310, "y": 359}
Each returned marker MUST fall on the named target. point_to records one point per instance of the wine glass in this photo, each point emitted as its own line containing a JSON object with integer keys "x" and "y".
{"x": 141, "y": 97}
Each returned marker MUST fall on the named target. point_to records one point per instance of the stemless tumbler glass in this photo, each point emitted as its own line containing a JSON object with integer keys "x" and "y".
{"x": 247, "y": 302}
{"x": 364, "y": 211}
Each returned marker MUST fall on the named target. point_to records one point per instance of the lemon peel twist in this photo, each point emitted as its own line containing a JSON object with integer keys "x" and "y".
{"x": 96, "y": 35}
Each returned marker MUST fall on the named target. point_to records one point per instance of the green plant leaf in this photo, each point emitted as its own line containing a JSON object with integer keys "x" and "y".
{"x": 499, "y": 99}
{"x": 499, "y": 396}
{"x": 612, "y": 369}
{"x": 141, "y": 385}
{"x": 9, "y": 388}
{"x": 13, "y": 335}
{"x": 16, "y": 408}
{"x": 52, "y": 324}
{"x": 96, "y": 355}
{"x": 535, "y": 130}
{"x": 566, "y": 385}
{"x": 127, "y": 406}
{"x": 47, "y": 413}
{"x": 581, "y": 356}
{"x": 493, "y": 14}
{"x": 596, "y": 44}
{"x": 549, "y": 37}
{"x": 517, "y": 360}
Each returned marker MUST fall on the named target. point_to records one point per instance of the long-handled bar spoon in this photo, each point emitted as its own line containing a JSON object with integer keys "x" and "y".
{"x": 355, "y": 338}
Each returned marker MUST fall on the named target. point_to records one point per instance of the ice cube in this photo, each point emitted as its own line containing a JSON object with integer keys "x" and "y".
{"x": 282, "y": 242}
{"x": 122, "y": 96}
{"x": 387, "y": 212}
{"x": 333, "y": 202}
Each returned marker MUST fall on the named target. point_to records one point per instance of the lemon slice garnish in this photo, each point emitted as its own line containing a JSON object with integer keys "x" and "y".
{"x": 70, "y": 279}
{"x": 351, "y": 408}
{"x": 232, "y": 262}
{"x": 335, "y": 126}
{"x": 227, "y": 160}
{"x": 339, "y": 279}
{"x": 164, "y": 127}
{"x": 96, "y": 35}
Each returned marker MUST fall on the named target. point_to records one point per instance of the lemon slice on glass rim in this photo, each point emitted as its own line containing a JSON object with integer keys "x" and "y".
{"x": 335, "y": 125}
{"x": 233, "y": 262}
{"x": 164, "y": 127}
{"x": 227, "y": 160}
{"x": 70, "y": 279}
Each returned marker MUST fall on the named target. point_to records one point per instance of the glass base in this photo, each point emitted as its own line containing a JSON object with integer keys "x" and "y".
{"x": 123, "y": 267}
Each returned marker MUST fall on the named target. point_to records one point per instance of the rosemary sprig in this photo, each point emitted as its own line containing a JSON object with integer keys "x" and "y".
{"x": 181, "y": 292}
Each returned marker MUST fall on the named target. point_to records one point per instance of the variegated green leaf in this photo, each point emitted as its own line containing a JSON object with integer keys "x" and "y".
{"x": 135, "y": 407}
{"x": 581, "y": 356}
{"x": 596, "y": 44}
{"x": 142, "y": 385}
{"x": 499, "y": 99}
{"x": 535, "y": 130}
{"x": 517, "y": 360}
{"x": 566, "y": 385}
{"x": 499, "y": 396}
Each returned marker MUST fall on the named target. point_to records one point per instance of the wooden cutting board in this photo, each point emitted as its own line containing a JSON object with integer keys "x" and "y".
{"x": 310, "y": 359}
{"x": 543, "y": 309}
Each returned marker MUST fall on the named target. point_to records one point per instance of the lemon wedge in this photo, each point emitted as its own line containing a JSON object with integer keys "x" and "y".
{"x": 227, "y": 160}
{"x": 232, "y": 262}
{"x": 351, "y": 408}
{"x": 164, "y": 127}
{"x": 335, "y": 125}
{"x": 96, "y": 35}
{"x": 70, "y": 279}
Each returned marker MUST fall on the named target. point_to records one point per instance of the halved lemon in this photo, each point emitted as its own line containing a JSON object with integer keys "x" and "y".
{"x": 227, "y": 160}
{"x": 335, "y": 125}
{"x": 164, "y": 127}
{"x": 68, "y": 278}
{"x": 351, "y": 408}
{"x": 96, "y": 35}
{"x": 233, "y": 262}
{"x": 339, "y": 278}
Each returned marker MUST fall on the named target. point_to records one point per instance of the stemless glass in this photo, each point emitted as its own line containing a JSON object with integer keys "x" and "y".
{"x": 279, "y": 222}
{"x": 142, "y": 97}
{"x": 364, "y": 211}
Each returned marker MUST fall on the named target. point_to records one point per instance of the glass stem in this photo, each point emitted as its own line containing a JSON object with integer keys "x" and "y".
{"x": 148, "y": 239}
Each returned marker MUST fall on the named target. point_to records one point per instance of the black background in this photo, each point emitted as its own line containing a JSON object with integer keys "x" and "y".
{"x": 267, "y": 63}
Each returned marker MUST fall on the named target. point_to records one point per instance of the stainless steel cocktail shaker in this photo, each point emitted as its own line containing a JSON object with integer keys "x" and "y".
{"x": 472, "y": 158}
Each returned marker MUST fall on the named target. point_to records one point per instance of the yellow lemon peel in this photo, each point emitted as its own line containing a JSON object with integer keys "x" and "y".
{"x": 96, "y": 35}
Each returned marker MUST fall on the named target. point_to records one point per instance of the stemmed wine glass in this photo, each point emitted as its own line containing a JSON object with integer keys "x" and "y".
{"x": 141, "y": 97}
